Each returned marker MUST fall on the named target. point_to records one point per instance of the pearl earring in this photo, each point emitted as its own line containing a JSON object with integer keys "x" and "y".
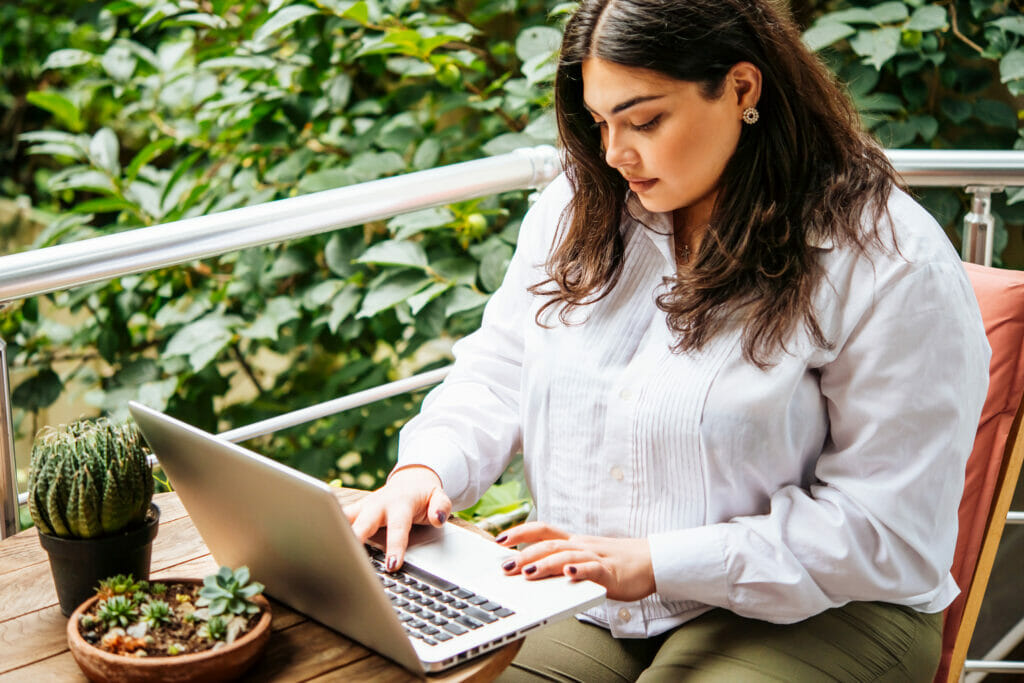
{"x": 750, "y": 116}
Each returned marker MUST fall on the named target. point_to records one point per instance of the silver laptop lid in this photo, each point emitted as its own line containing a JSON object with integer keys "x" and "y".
{"x": 251, "y": 510}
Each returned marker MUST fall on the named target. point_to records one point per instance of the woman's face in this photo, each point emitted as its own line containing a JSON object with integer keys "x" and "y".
{"x": 663, "y": 136}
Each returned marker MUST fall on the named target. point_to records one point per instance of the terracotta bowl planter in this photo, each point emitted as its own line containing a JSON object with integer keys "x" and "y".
{"x": 226, "y": 663}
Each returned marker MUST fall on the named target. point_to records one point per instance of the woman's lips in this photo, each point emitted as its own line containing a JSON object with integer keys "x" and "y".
{"x": 639, "y": 185}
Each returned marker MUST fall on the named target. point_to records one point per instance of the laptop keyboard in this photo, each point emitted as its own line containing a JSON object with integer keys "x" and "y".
{"x": 430, "y": 608}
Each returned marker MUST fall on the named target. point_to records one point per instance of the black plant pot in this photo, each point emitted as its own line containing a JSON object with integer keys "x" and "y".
{"x": 79, "y": 564}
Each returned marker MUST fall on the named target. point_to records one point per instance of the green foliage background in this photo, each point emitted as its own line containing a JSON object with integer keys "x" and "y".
{"x": 131, "y": 113}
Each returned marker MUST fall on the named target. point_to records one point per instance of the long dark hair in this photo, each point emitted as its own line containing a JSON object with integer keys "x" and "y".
{"x": 806, "y": 172}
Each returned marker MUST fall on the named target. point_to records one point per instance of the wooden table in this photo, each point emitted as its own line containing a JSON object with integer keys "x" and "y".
{"x": 33, "y": 646}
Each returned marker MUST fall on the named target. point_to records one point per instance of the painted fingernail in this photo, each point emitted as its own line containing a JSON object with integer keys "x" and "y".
{"x": 572, "y": 570}
{"x": 529, "y": 569}
{"x": 391, "y": 563}
{"x": 509, "y": 566}
{"x": 442, "y": 516}
{"x": 501, "y": 539}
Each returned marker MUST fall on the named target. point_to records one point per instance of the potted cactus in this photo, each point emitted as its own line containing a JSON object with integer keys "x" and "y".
{"x": 90, "y": 493}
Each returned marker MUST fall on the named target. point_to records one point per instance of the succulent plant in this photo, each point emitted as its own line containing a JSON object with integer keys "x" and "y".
{"x": 117, "y": 610}
{"x": 121, "y": 584}
{"x": 89, "y": 479}
{"x": 214, "y": 629}
{"x": 229, "y": 592}
{"x": 155, "y": 613}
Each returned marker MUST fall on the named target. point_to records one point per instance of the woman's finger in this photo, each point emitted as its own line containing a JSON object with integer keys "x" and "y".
{"x": 368, "y": 519}
{"x": 542, "y": 549}
{"x": 351, "y": 511}
{"x": 531, "y": 532}
{"x": 399, "y": 522}
{"x": 592, "y": 570}
{"x": 550, "y": 565}
{"x": 439, "y": 509}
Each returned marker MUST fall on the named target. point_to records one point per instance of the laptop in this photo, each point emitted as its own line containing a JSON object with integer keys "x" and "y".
{"x": 448, "y": 603}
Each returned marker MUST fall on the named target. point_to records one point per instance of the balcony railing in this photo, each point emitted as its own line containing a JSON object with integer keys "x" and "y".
{"x": 28, "y": 274}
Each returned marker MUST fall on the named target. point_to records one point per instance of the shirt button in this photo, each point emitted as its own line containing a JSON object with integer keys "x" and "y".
{"x": 616, "y": 473}
{"x": 624, "y": 615}
{"x": 626, "y": 394}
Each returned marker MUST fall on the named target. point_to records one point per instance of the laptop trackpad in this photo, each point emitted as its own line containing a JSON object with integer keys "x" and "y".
{"x": 418, "y": 535}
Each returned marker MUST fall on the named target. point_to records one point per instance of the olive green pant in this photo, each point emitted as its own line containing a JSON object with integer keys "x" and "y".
{"x": 862, "y": 641}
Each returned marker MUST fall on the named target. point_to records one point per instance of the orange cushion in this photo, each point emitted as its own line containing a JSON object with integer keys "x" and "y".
{"x": 1001, "y": 298}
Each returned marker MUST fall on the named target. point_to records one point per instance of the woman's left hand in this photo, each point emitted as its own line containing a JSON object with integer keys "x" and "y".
{"x": 621, "y": 565}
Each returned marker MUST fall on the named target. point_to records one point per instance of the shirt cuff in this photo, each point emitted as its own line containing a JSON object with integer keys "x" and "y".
{"x": 436, "y": 452}
{"x": 690, "y": 564}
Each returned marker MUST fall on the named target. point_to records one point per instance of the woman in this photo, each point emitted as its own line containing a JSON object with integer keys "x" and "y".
{"x": 744, "y": 368}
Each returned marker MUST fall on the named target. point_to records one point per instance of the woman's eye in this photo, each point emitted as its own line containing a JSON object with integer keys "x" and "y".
{"x": 650, "y": 125}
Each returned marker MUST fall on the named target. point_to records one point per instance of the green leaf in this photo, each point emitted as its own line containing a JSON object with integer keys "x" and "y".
{"x": 857, "y": 15}
{"x": 373, "y": 165}
{"x": 1011, "y": 24}
{"x": 61, "y": 107}
{"x": 879, "y": 102}
{"x": 278, "y": 312}
{"x": 202, "y": 340}
{"x": 285, "y": 17}
{"x": 427, "y": 154}
{"x": 39, "y": 391}
{"x": 498, "y": 499}
{"x": 338, "y": 257}
{"x": 896, "y": 133}
{"x": 199, "y": 19}
{"x": 390, "y": 290}
{"x": 256, "y": 62}
{"x": 419, "y": 300}
{"x": 62, "y": 59}
{"x": 395, "y": 253}
{"x": 317, "y": 296}
{"x": 464, "y": 299}
{"x": 145, "y": 155}
{"x": 342, "y": 306}
{"x": 928, "y": 18}
{"x": 1011, "y": 66}
{"x": 457, "y": 270}
{"x": 119, "y": 63}
{"x": 326, "y": 179}
{"x": 537, "y": 40}
{"x": 103, "y": 205}
{"x": 494, "y": 264}
{"x": 824, "y": 33}
{"x": 876, "y": 46}
{"x": 996, "y": 113}
{"x": 404, "y": 226}
{"x": 889, "y": 12}
{"x": 105, "y": 150}
{"x": 77, "y": 179}
{"x": 956, "y": 111}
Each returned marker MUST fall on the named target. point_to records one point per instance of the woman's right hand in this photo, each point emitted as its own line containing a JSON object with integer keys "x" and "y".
{"x": 412, "y": 495}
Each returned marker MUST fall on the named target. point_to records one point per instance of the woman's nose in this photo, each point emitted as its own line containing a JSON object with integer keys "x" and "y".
{"x": 616, "y": 152}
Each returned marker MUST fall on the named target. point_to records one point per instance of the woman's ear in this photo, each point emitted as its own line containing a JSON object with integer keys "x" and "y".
{"x": 745, "y": 83}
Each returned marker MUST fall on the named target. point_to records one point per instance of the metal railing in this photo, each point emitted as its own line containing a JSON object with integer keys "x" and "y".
{"x": 23, "y": 275}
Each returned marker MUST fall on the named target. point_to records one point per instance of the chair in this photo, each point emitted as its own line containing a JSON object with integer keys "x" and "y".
{"x": 994, "y": 464}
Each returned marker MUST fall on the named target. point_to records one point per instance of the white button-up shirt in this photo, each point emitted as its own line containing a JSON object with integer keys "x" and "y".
{"x": 832, "y": 476}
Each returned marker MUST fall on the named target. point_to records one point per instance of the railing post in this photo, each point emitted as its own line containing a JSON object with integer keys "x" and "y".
{"x": 10, "y": 521}
{"x": 979, "y": 226}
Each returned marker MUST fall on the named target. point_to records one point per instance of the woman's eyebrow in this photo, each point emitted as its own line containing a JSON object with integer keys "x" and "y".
{"x": 622, "y": 106}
